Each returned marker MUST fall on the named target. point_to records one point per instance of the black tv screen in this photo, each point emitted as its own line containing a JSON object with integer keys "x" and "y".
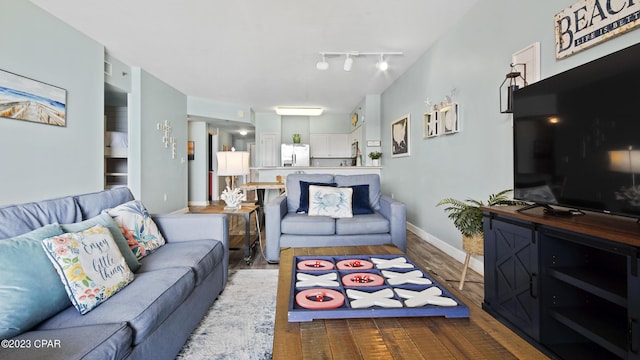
{"x": 577, "y": 137}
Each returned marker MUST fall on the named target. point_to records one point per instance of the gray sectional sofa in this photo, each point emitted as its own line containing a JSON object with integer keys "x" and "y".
{"x": 289, "y": 226}
{"x": 153, "y": 316}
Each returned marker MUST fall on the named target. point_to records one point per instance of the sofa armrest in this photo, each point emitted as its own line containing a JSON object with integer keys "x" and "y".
{"x": 188, "y": 227}
{"x": 396, "y": 212}
{"x": 274, "y": 211}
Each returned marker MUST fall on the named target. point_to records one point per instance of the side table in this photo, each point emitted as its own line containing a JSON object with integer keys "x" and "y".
{"x": 217, "y": 207}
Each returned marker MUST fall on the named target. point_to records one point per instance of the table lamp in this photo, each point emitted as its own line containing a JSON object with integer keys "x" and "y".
{"x": 232, "y": 164}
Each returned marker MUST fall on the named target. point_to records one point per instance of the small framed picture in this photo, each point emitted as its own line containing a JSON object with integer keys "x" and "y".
{"x": 191, "y": 147}
{"x": 430, "y": 124}
{"x": 400, "y": 136}
{"x": 449, "y": 119}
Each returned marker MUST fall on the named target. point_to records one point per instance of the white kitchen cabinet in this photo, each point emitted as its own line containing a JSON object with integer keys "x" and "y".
{"x": 330, "y": 146}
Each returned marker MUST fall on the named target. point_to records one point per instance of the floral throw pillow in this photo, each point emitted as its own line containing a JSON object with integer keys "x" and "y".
{"x": 138, "y": 228}
{"x": 90, "y": 265}
{"x": 330, "y": 201}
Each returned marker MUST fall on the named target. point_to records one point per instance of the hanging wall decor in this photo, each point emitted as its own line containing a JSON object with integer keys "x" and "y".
{"x": 442, "y": 119}
{"x": 400, "y": 136}
{"x": 26, "y": 99}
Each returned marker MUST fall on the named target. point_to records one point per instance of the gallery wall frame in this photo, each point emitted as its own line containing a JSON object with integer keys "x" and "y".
{"x": 22, "y": 98}
{"x": 400, "y": 136}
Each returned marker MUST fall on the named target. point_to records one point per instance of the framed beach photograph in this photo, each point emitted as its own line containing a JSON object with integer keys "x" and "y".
{"x": 400, "y": 136}
{"x": 26, "y": 99}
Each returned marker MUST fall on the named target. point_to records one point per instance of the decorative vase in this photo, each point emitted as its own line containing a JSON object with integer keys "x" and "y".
{"x": 296, "y": 138}
{"x": 375, "y": 162}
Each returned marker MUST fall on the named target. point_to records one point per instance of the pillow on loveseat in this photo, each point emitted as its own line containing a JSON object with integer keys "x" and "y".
{"x": 304, "y": 194}
{"x": 330, "y": 201}
{"x": 90, "y": 265}
{"x": 138, "y": 228}
{"x": 30, "y": 290}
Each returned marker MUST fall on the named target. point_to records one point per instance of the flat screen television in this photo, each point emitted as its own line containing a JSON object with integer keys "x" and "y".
{"x": 577, "y": 137}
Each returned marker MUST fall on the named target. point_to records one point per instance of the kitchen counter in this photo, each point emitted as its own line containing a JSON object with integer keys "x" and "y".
{"x": 270, "y": 173}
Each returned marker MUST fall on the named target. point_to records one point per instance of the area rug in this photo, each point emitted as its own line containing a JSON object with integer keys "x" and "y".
{"x": 239, "y": 324}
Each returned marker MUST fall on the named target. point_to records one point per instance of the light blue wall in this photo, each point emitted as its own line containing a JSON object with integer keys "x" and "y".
{"x": 159, "y": 174}
{"x": 472, "y": 58}
{"x": 43, "y": 161}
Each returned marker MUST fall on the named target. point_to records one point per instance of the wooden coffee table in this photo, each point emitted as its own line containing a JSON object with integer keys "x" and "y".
{"x": 478, "y": 337}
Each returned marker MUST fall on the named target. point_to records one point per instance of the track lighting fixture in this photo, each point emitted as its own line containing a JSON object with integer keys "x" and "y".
{"x": 348, "y": 63}
{"x": 382, "y": 63}
{"x": 322, "y": 64}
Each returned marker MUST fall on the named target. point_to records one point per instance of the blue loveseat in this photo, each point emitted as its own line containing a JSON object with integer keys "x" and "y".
{"x": 288, "y": 226}
{"x": 150, "y": 318}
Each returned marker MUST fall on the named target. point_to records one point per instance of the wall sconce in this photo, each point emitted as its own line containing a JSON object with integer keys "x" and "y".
{"x": 512, "y": 85}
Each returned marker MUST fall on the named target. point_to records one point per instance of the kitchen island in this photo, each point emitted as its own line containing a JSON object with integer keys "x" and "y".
{"x": 268, "y": 174}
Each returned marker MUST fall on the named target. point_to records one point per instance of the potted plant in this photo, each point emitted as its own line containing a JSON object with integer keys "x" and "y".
{"x": 467, "y": 218}
{"x": 375, "y": 157}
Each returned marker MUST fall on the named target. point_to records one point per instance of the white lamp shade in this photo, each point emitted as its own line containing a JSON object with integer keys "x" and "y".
{"x": 233, "y": 163}
{"x": 626, "y": 161}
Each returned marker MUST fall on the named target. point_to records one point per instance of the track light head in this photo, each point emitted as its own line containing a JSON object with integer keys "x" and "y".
{"x": 348, "y": 63}
{"x": 322, "y": 64}
{"x": 382, "y": 65}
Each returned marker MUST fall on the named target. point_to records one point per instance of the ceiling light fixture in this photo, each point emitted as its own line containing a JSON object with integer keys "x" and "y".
{"x": 382, "y": 63}
{"x": 322, "y": 64}
{"x": 243, "y": 132}
{"x": 298, "y": 111}
{"x": 348, "y": 63}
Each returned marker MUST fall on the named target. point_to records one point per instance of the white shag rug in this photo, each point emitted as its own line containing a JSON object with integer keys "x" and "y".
{"x": 239, "y": 324}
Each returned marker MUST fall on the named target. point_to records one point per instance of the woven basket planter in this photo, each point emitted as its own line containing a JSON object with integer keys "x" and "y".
{"x": 474, "y": 244}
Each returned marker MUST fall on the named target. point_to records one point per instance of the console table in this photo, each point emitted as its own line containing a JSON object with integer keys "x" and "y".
{"x": 567, "y": 284}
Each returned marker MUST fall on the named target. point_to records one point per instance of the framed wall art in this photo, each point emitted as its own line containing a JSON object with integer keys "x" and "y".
{"x": 400, "y": 136}
{"x": 449, "y": 119}
{"x": 26, "y": 99}
{"x": 430, "y": 124}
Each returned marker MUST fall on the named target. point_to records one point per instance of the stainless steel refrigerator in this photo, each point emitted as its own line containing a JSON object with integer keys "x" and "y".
{"x": 294, "y": 155}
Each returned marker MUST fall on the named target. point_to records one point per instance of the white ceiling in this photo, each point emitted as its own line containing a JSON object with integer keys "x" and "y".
{"x": 262, "y": 53}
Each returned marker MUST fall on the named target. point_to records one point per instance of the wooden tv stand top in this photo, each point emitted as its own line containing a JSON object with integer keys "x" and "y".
{"x": 611, "y": 227}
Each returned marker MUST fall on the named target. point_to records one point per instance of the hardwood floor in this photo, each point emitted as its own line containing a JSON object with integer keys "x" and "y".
{"x": 427, "y": 256}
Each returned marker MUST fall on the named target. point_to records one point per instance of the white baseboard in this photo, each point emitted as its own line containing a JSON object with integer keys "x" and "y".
{"x": 198, "y": 203}
{"x": 475, "y": 263}
{"x": 181, "y": 211}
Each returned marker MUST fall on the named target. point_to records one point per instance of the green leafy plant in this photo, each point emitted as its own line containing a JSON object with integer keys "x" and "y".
{"x": 467, "y": 216}
{"x": 375, "y": 155}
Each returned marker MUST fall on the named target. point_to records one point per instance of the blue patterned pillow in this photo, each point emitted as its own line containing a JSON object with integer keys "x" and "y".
{"x": 330, "y": 201}
{"x": 138, "y": 228}
{"x": 304, "y": 194}
{"x": 30, "y": 290}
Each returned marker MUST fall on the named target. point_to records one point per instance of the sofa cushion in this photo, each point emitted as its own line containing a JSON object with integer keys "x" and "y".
{"x": 330, "y": 201}
{"x": 301, "y": 224}
{"x": 30, "y": 290}
{"x": 92, "y": 204}
{"x": 137, "y": 227}
{"x": 31, "y": 216}
{"x": 373, "y": 180}
{"x": 201, "y": 256}
{"x": 362, "y": 225}
{"x": 293, "y": 187}
{"x": 89, "y": 264}
{"x": 105, "y": 341}
{"x": 145, "y": 304}
{"x": 105, "y": 220}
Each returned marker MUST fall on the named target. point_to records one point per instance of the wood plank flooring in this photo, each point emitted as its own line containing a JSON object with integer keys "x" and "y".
{"x": 427, "y": 256}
